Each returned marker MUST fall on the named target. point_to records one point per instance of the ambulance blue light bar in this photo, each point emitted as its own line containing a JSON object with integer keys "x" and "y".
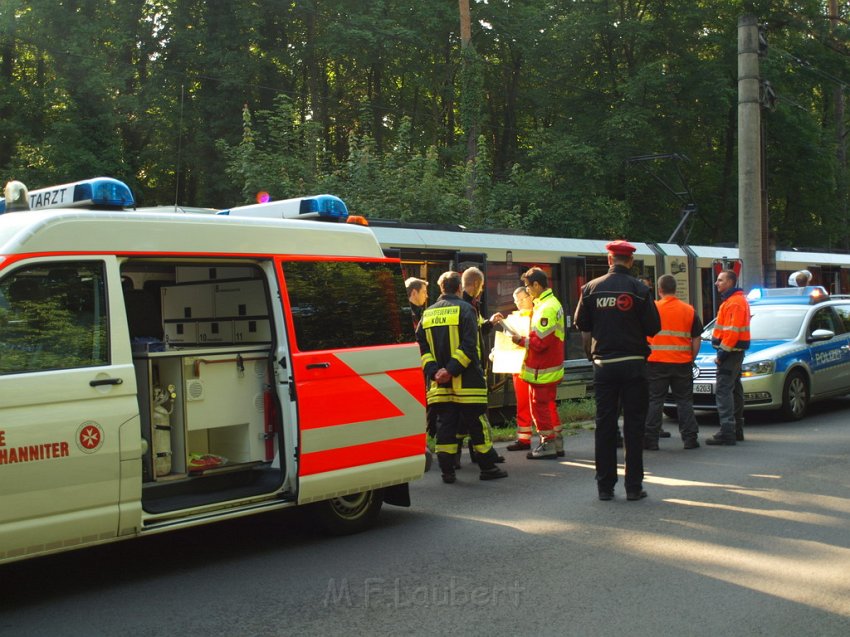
{"x": 323, "y": 207}
{"x": 100, "y": 192}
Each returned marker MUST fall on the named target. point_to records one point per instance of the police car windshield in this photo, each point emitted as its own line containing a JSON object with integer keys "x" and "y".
{"x": 776, "y": 323}
{"x": 770, "y": 323}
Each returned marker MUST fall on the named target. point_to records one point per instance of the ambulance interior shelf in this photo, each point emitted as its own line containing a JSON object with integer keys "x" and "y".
{"x": 216, "y": 421}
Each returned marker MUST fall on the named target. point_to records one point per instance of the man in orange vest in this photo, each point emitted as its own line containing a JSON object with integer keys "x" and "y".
{"x": 731, "y": 339}
{"x": 671, "y": 365}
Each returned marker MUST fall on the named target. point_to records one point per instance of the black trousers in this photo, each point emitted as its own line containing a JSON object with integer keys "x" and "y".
{"x": 453, "y": 421}
{"x": 679, "y": 378}
{"x": 615, "y": 385}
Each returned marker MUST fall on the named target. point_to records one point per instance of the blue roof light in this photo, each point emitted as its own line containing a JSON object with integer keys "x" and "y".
{"x": 326, "y": 206}
{"x": 103, "y": 191}
{"x": 322, "y": 207}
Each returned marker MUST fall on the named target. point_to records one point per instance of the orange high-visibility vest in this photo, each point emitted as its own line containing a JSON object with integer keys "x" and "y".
{"x": 673, "y": 343}
{"x": 732, "y": 327}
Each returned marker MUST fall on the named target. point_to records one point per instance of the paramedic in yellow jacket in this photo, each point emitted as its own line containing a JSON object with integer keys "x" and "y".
{"x": 457, "y": 392}
{"x": 543, "y": 367}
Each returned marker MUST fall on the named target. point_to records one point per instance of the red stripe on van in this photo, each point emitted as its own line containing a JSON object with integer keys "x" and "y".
{"x": 331, "y": 393}
{"x": 412, "y": 380}
{"x": 361, "y": 455}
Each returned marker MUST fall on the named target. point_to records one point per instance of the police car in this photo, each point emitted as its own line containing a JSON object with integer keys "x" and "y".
{"x": 799, "y": 352}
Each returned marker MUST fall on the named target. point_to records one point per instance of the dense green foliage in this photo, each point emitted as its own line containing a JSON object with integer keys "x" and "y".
{"x": 529, "y": 127}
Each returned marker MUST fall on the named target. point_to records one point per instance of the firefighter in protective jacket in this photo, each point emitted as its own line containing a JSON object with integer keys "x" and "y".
{"x": 457, "y": 390}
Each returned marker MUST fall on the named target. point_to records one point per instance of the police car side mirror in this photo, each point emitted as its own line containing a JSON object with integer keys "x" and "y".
{"x": 820, "y": 335}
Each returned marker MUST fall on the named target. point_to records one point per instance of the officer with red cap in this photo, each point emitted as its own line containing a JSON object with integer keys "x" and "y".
{"x": 616, "y": 313}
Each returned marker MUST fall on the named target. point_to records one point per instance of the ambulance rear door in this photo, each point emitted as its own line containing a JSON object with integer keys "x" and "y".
{"x": 67, "y": 387}
{"x": 358, "y": 383}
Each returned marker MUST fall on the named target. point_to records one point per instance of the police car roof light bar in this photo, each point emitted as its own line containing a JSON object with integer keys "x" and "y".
{"x": 808, "y": 295}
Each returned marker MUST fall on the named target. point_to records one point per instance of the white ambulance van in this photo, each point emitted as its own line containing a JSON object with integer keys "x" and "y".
{"x": 159, "y": 371}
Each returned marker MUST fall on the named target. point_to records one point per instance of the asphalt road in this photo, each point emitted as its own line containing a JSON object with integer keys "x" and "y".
{"x": 745, "y": 540}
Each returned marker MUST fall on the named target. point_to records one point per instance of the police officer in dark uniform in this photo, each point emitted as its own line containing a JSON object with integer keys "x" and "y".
{"x": 457, "y": 392}
{"x": 616, "y": 313}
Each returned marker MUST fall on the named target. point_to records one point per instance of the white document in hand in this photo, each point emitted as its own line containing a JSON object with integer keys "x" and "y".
{"x": 507, "y": 355}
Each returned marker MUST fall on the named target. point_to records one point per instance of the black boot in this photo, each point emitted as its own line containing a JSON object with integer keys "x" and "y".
{"x": 487, "y": 463}
{"x": 739, "y": 431}
{"x": 446, "y": 461}
{"x": 456, "y": 460}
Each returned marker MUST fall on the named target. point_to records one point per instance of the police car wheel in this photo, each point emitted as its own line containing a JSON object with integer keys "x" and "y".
{"x": 671, "y": 412}
{"x": 349, "y": 513}
{"x": 795, "y": 396}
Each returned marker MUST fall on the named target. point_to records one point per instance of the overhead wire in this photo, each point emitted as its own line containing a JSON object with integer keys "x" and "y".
{"x": 811, "y": 67}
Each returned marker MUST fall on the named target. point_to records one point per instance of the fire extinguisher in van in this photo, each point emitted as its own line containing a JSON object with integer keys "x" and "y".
{"x": 163, "y": 400}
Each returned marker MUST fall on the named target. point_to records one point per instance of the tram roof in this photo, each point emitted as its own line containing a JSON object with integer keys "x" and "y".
{"x": 812, "y": 258}
{"x": 524, "y": 248}
{"x": 785, "y": 257}
{"x": 714, "y": 252}
{"x": 672, "y": 250}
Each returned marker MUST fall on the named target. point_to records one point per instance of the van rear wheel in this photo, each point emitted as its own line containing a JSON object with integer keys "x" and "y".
{"x": 349, "y": 513}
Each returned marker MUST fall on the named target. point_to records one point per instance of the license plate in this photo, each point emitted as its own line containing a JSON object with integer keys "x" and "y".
{"x": 703, "y": 388}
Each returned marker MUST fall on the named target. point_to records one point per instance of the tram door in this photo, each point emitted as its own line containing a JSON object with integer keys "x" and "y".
{"x": 710, "y": 291}
{"x": 573, "y": 277}
{"x": 830, "y": 278}
{"x": 427, "y": 265}
{"x": 499, "y": 388}
{"x": 464, "y": 260}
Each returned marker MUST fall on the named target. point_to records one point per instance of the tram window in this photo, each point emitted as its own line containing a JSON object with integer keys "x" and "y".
{"x": 595, "y": 267}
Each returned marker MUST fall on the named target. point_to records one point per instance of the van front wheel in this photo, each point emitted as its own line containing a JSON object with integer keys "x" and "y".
{"x": 349, "y": 513}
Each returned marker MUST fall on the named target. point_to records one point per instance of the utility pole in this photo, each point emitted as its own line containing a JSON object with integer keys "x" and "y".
{"x": 750, "y": 235}
{"x": 840, "y": 135}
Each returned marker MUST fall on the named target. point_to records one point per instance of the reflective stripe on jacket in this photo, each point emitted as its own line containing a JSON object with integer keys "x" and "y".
{"x": 732, "y": 327}
{"x": 672, "y": 344}
{"x": 544, "y": 360}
